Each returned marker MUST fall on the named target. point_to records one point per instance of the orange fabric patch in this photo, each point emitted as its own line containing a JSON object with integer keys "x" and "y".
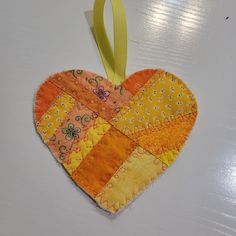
{"x": 170, "y": 135}
{"x": 42, "y": 102}
{"x": 103, "y": 161}
{"x": 137, "y": 80}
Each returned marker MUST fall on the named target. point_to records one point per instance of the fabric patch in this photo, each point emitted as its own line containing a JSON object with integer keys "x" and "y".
{"x": 42, "y": 102}
{"x": 167, "y": 136}
{"x": 113, "y": 140}
{"x": 83, "y": 147}
{"x": 54, "y": 116}
{"x": 162, "y": 98}
{"x": 73, "y": 129}
{"x": 132, "y": 177}
{"x": 103, "y": 161}
{"x": 137, "y": 80}
{"x": 97, "y": 93}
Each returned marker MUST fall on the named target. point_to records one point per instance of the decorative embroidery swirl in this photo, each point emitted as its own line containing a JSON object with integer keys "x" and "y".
{"x": 94, "y": 81}
{"x": 76, "y": 73}
{"x": 62, "y": 150}
{"x": 86, "y": 118}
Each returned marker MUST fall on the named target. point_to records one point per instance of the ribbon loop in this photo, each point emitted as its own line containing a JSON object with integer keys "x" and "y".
{"x": 114, "y": 62}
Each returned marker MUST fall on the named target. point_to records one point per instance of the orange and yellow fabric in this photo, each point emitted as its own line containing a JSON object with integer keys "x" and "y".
{"x": 114, "y": 136}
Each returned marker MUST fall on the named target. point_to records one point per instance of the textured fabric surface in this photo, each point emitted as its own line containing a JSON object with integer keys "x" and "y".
{"x": 113, "y": 140}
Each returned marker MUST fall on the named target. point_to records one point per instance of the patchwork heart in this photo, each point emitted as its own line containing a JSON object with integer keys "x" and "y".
{"x": 113, "y": 140}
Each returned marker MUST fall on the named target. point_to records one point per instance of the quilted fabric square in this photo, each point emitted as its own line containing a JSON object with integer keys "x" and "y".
{"x": 113, "y": 140}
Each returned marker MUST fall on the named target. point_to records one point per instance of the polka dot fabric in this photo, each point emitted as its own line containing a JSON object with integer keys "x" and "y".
{"x": 114, "y": 140}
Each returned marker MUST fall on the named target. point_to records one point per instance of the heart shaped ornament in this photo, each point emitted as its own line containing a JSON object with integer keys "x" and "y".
{"x": 113, "y": 138}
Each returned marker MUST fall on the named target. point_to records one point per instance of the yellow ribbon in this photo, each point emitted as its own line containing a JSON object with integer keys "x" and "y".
{"x": 114, "y": 63}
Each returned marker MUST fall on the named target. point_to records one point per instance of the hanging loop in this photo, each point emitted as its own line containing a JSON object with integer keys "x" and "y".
{"x": 114, "y": 62}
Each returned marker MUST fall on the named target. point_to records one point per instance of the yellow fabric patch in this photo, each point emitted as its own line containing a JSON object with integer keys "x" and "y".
{"x": 55, "y": 115}
{"x": 163, "y": 97}
{"x": 82, "y": 148}
{"x": 132, "y": 177}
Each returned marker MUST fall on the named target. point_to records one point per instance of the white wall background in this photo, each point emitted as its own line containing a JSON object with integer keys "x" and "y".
{"x": 191, "y": 38}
